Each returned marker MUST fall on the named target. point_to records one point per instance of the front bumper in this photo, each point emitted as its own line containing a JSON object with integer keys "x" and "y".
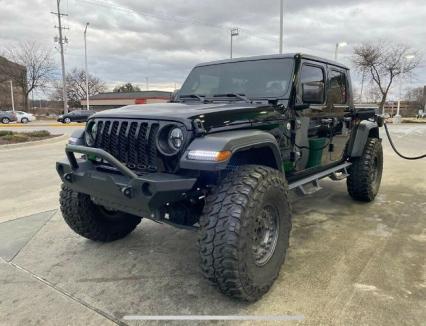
{"x": 122, "y": 189}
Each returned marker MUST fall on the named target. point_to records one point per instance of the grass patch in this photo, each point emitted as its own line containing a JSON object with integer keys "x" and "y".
{"x": 5, "y": 133}
{"x": 12, "y": 137}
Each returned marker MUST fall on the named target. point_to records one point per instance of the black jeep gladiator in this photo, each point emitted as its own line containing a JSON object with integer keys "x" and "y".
{"x": 221, "y": 159}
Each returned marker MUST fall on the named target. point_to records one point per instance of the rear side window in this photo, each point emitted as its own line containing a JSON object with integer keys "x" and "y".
{"x": 312, "y": 84}
{"x": 337, "y": 93}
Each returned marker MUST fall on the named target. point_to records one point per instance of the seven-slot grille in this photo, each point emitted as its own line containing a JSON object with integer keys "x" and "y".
{"x": 131, "y": 142}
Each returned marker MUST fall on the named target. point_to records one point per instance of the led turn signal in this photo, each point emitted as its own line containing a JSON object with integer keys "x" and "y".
{"x": 209, "y": 155}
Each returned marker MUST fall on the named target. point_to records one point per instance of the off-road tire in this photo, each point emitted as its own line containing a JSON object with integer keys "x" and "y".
{"x": 365, "y": 173}
{"x": 91, "y": 221}
{"x": 226, "y": 231}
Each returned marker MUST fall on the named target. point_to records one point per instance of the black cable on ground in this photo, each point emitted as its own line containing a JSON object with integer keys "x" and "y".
{"x": 396, "y": 151}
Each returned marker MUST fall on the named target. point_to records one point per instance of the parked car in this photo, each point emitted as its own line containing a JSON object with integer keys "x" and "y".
{"x": 6, "y": 117}
{"x": 76, "y": 116}
{"x": 23, "y": 117}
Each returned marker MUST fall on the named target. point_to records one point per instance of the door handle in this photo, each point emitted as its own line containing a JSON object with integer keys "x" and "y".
{"x": 327, "y": 121}
{"x": 317, "y": 107}
{"x": 341, "y": 106}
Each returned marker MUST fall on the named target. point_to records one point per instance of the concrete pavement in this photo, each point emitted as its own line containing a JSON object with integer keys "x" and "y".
{"x": 349, "y": 263}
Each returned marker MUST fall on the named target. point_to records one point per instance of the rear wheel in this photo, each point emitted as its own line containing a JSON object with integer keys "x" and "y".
{"x": 5, "y": 121}
{"x": 92, "y": 221}
{"x": 365, "y": 173}
{"x": 244, "y": 232}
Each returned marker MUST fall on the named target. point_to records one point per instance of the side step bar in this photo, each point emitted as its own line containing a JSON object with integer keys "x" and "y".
{"x": 314, "y": 179}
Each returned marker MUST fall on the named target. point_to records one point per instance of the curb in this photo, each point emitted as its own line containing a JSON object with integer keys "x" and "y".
{"x": 53, "y": 140}
{"x": 29, "y": 125}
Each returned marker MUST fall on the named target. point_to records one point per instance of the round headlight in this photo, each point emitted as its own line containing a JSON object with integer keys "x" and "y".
{"x": 175, "y": 138}
{"x": 90, "y": 133}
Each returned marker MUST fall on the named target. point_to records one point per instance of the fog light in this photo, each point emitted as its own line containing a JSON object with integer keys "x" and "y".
{"x": 209, "y": 155}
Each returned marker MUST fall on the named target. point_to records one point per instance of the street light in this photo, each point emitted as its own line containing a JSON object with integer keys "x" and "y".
{"x": 11, "y": 95}
{"x": 234, "y": 32}
{"x": 338, "y": 45}
{"x": 397, "y": 117}
{"x": 281, "y": 25}
{"x": 85, "y": 63}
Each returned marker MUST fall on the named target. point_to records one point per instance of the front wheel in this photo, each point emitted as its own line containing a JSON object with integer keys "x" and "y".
{"x": 67, "y": 120}
{"x": 24, "y": 120}
{"x": 244, "y": 231}
{"x": 365, "y": 173}
{"x": 92, "y": 221}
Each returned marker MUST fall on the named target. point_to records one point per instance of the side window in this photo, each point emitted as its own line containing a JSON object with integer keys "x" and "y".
{"x": 337, "y": 93}
{"x": 312, "y": 84}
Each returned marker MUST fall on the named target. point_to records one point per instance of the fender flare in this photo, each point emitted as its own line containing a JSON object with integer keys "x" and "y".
{"x": 233, "y": 141}
{"x": 363, "y": 131}
{"x": 77, "y": 137}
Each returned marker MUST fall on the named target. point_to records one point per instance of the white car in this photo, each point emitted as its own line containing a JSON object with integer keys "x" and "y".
{"x": 24, "y": 117}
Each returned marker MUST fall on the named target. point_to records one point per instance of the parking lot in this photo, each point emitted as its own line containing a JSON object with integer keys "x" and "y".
{"x": 349, "y": 263}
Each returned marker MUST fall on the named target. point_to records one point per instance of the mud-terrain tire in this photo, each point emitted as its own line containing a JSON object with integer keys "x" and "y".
{"x": 92, "y": 221}
{"x": 365, "y": 173}
{"x": 249, "y": 208}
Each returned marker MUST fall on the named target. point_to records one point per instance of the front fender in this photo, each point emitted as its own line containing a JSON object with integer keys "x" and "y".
{"x": 233, "y": 141}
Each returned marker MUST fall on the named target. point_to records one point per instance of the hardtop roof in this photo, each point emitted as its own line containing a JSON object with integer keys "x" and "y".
{"x": 276, "y": 56}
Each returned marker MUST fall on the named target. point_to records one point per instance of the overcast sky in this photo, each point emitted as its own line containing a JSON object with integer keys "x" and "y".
{"x": 130, "y": 40}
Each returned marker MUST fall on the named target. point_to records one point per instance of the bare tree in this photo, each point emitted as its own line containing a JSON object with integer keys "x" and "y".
{"x": 416, "y": 96}
{"x": 126, "y": 88}
{"x": 383, "y": 63}
{"x": 39, "y": 66}
{"x": 76, "y": 87}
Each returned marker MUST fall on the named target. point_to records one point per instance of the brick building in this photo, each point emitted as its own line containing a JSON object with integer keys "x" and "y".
{"x": 113, "y": 100}
{"x": 9, "y": 69}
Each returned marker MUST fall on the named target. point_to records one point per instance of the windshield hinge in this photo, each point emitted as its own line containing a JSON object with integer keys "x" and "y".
{"x": 199, "y": 129}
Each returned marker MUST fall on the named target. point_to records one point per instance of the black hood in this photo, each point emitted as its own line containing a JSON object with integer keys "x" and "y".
{"x": 213, "y": 115}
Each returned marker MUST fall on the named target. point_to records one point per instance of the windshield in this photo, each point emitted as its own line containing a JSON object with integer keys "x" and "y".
{"x": 254, "y": 79}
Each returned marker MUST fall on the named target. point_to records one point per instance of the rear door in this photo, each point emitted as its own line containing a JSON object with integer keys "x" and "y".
{"x": 339, "y": 103}
{"x": 312, "y": 91}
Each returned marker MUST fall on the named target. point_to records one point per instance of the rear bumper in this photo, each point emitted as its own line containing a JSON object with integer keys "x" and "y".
{"x": 124, "y": 191}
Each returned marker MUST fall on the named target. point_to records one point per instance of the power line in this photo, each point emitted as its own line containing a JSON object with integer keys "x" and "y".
{"x": 61, "y": 41}
{"x": 168, "y": 18}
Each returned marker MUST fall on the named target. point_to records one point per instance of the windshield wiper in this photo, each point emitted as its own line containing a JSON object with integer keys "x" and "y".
{"x": 236, "y": 95}
{"x": 201, "y": 98}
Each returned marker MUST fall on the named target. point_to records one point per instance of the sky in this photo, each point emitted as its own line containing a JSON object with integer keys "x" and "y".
{"x": 160, "y": 41}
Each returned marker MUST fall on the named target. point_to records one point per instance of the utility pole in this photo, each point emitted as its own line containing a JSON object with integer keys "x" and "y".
{"x": 85, "y": 63}
{"x": 234, "y": 32}
{"x": 362, "y": 86}
{"x": 61, "y": 42}
{"x": 281, "y": 25}
{"x": 11, "y": 95}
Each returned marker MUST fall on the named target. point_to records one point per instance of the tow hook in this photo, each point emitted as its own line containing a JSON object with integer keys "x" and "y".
{"x": 127, "y": 191}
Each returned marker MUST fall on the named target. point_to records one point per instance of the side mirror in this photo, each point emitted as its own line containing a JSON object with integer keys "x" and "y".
{"x": 301, "y": 107}
{"x": 313, "y": 92}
